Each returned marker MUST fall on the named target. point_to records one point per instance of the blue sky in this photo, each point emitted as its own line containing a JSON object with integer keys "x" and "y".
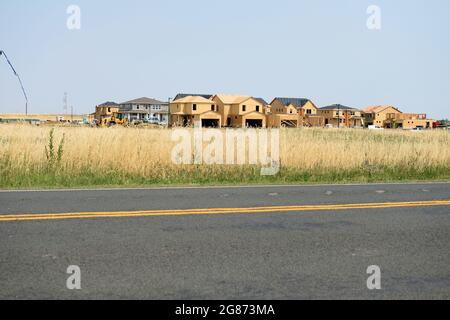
{"x": 317, "y": 49}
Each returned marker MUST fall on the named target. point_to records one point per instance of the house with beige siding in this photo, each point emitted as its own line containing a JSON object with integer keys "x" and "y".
{"x": 218, "y": 111}
{"x": 106, "y": 111}
{"x": 390, "y": 117}
{"x": 293, "y": 112}
{"x": 409, "y": 122}
{"x": 286, "y": 112}
{"x": 241, "y": 111}
{"x": 195, "y": 111}
{"x": 340, "y": 116}
{"x": 377, "y": 115}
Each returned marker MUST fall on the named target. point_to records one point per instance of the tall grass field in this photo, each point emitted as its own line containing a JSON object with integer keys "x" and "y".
{"x": 59, "y": 157}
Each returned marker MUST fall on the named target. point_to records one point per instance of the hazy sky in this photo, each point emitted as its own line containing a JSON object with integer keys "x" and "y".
{"x": 315, "y": 49}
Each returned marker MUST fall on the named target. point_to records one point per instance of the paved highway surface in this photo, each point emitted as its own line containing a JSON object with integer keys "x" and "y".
{"x": 270, "y": 242}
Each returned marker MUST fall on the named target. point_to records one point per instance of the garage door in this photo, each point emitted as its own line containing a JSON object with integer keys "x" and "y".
{"x": 210, "y": 123}
{"x": 254, "y": 123}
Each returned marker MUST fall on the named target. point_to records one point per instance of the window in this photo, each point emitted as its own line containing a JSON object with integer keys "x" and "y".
{"x": 309, "y": 111}
{"x": 257, "y": 108}
{"x": 213, "y": 107}
{"x": 194, "y": 107}
{"x": 244, "y": 108}
{"x": 109, "y": 109}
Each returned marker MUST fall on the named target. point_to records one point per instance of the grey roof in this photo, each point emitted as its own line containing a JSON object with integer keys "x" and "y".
{"x": 337, "y": 106}
{"x": 264, "y": 102}
{"x": 108, "y": 104}
{"x": 297, "y": 102}
{"x": 184, "y": 95}
{"x": 144, "y": 100}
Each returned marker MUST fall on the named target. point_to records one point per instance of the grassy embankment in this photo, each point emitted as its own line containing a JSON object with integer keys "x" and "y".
{"x": 90, "y": 157}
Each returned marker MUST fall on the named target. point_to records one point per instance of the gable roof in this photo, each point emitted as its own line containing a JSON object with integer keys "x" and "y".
{"x": 192, "y": 99}
{"x": 184, "y": 95}
{"x": 376, "y": 109}
{"x": 296, "y": 102}
{"x": 144, "y": 100}
{"x": 232, "y": 99}
{"x": 337, "y": 106}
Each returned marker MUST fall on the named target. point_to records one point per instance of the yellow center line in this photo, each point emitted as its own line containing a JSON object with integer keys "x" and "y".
{"x": 217, "y": 211}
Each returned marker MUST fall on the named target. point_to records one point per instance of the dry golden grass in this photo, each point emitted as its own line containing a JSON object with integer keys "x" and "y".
{"x": 347, "y": 149}
{"x": 95, "y": 156}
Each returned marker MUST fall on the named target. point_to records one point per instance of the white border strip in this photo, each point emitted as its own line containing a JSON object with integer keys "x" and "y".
{"x": 232, "y": 187}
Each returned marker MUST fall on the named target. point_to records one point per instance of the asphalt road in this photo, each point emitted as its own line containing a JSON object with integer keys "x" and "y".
{"x": 300, "y": 253}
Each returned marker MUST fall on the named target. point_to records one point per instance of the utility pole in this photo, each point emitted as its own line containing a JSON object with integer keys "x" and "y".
{"x": 169, "y": 118}
{"x": 65, "y": 109}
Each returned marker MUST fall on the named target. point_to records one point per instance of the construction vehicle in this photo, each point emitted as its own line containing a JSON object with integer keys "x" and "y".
{"x": 114, "y": 119}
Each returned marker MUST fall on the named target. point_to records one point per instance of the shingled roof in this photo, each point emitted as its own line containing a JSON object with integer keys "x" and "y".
{"x": 264, "y": 102}
{"x": 144, "y": 100}
{"x": 296, "y": 102}
{"x": 192, "y": 99}
{"x": 108, "y": 104}
{"x": 184, "y": 95}
{"x": 337, "y": 106}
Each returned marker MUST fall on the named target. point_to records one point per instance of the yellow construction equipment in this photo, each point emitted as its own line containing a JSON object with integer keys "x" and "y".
{"x": 115, "y": 119}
